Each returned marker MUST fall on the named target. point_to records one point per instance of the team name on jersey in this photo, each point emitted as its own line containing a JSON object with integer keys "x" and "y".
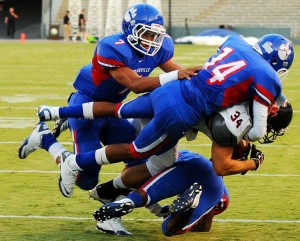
{"x": 142, "y": 70}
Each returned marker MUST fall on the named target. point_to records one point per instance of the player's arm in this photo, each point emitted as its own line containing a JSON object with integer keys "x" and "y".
{"x": 130, "y": 79}
{"x": 183, "y": 73}
{"x": 259, "y": 127}
{"x": 224, "y": 165}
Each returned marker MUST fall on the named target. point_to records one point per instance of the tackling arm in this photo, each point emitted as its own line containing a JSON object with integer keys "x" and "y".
{"x": 183, "y": 73}
{"x": 130, "y": 79}
{"x": 223, "y": 163}
{"x": 260, "y": 115}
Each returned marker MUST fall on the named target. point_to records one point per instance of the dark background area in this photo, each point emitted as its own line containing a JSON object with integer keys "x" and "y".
{"x": 29, "y": 21}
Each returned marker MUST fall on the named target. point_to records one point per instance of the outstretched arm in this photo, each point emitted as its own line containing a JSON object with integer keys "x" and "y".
{"x": 130, "y": 79}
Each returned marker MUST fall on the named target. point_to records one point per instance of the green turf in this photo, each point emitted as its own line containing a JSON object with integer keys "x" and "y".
{"x": 264, "y": 204}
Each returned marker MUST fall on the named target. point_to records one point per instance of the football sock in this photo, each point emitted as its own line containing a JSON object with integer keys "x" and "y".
{"x": 74, "y": 111}
{"x": 136, "y": 199}
{"x": 47, "y": 141}
{"x": 100, "y": 156}
{"x": 86, "y": 159}
{"x": 117, "y": 182}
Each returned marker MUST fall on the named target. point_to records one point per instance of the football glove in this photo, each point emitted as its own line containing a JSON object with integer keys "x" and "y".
{"x": 257, "y": 156}
{"x": 241, "y": 151}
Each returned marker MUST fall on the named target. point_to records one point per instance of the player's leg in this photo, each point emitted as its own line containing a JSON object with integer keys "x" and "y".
{"x": 161, "y": 186}
{"x": 40, "y": 137}
{"x": 139, "y": 107}
{"x": 172, "y": 118}
{"x": 213, "y": 187}
{"x": 86, "y": 137}
{"x": 159, "y": 135}
{"x": 181, "y": 222}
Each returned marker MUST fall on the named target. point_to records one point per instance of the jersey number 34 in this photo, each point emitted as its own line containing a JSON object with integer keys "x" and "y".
{"x": 221, "y": 71}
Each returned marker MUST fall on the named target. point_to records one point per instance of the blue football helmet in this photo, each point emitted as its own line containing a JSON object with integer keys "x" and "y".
{"x": 143, "y": 28}
{"x": 278, "y": 51}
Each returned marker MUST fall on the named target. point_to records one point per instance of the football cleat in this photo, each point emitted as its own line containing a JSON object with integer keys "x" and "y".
{"x": 60, "y": 126}
{"x": 33, "y": 141}
{"x": 47, "y": 113}
{"x": 158, "y": 210}
{"x": 67, "y": 178}
{"x": 112, "y": 226}
{"x": 113, "y": 210}
{"x": 164, "y": 212}
{"x": 94, "y": 193}
{"x": 188, "y": 200}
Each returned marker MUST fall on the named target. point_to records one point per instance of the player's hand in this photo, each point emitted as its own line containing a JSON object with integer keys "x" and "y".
{"x": 188, "y": 72}
{"x": 247, "y": 151}
{"x": 241, "y": 150}
{"x": 257, "y": 156}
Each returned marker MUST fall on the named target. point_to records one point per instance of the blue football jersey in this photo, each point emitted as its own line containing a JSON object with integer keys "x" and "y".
{"x": 237, "y": 73}
{"x": 114, "y": 52}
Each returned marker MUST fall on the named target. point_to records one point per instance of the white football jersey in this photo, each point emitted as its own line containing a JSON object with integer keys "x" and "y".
{"x": 237, "y": 120}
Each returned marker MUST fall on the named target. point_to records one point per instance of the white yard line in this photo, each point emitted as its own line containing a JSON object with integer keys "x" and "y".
{"x": 148, "y": 219}
{"x": 114, "y": 173}
{"x": 180, "y": 144}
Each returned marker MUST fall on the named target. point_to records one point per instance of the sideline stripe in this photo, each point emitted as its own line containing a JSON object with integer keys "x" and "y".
{"x": 115, "y": 173}
{"x": 151, "y": 219}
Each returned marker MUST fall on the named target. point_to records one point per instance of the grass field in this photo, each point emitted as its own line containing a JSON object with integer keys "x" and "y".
{"x": 264, "y": 204}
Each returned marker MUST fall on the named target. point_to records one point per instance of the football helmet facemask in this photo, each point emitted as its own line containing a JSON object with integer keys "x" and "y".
{"x": 278, "y": 124}
{"x": 278, "y": 51}
{"x": 143, "y": 28}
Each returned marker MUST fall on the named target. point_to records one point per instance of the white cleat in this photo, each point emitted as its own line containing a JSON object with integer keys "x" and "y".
{"x": 47, "y": 113}
{"x": 33, "y": 141}
{"x": 67, "y": 178}
{"x": 112, "y": 226}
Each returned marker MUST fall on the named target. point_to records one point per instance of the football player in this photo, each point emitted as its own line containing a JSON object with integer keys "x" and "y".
{"x": 193, "y": 178}
{"x": 121, "y": 63}
{"x": 41, "y": 137}
{"x": 279, "y": 118}
{"x": 194, "y": 173}
{"x": 237, "y": 73}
